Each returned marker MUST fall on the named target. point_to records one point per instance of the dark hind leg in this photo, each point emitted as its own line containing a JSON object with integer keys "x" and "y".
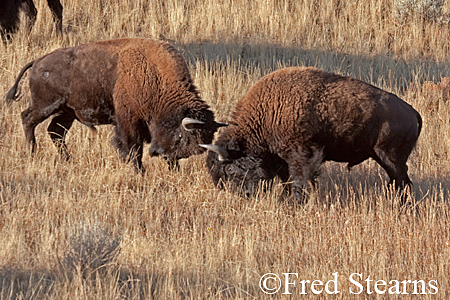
{"x": 29, "y": 123}
{"x": 31, "y": 117}
{"x": 57, "y": 10}
{"x": 395, "y": 166}
{"x": 30, "y": 10}
{"x": 129, "y": 142}
{"x": 58, "y": 129}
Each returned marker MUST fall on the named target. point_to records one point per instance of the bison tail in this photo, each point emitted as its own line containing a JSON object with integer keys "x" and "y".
{"x": 419, "y": 121}
{"x": 12, "y": 94}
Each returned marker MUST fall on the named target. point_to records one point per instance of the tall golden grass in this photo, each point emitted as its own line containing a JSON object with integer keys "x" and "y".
{"x": 93, "y": 229}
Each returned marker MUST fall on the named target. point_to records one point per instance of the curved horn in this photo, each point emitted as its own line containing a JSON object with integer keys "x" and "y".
{"x": 220, "y": 124}
{"x": 222, "y": 152}
{"x": 189, "y": 122}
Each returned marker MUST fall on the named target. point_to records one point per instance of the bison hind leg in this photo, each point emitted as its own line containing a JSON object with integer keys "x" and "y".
{"x": 31, "y": 117}
{"x": 58, "y": 129}
{"x": 29, "y": 123}
{"x": 395, "y": 166}
{"x": 57, "y": 10}
{"x": 30, "y": 10}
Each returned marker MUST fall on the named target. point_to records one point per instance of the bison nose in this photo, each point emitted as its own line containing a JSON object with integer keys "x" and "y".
{"x": 156, "y": 150}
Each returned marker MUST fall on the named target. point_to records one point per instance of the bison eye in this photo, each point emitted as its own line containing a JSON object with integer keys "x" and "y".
{"x": 179, "y": 136}
{"x": 230, "y": 169}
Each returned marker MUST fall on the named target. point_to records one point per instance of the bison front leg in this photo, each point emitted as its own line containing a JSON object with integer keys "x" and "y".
{"x": 58, "y": 129}
{"x": 130, "y": 144}
{"x": 304, "y": 168}
{"x": 301, "y": 189}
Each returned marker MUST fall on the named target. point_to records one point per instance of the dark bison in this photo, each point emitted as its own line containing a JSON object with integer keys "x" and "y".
{"x": 141, "y": 86}
{"x": 9, "y": 14}
{"x": 294, "y": 119}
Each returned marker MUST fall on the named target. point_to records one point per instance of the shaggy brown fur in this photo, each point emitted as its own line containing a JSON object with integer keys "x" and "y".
{"x": 293, "y": 118}
{"x": 141, "y": 86}
{"x": 9, "y": 14}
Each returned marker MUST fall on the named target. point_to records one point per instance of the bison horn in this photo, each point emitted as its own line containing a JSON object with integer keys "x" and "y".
{"x": 222, "y": 152}
{"x": 221, "y": 125}
{"x": 188, "y": 123}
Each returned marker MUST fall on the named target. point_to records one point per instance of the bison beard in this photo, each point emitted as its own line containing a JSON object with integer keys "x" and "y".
{"x": 294, "y": 119}
{"x": 141, "y": 86}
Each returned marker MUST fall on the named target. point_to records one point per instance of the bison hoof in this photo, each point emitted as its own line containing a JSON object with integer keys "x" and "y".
{"x": 172, "y": 163}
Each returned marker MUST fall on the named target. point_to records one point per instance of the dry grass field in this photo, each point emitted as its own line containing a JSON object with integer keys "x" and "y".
{"x": 93, "y": 229}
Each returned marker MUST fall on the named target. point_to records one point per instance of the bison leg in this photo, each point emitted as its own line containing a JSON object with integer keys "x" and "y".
{"x": 34, "y": 115}
{"x": 304, "y": 168}
{"x": 30, "y": 10}
{"x": 130, "y": 144}
{"x": 30, "y": 119}
{"x": 396, "y": 169}
{"x": 57, "y": 10}
{"x": 58, "y": 129}
{"x": 300, "y": 186}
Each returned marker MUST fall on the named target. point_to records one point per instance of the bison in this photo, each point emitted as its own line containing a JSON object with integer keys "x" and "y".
{"x": 141, "y": 86}
{"x": 295, "y": 118}
{"x": 9, "y": 14}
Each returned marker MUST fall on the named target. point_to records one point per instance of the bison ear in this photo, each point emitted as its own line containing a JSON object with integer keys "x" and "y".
{"x": 221, "y": 152}
{"x": 190, "y": 124}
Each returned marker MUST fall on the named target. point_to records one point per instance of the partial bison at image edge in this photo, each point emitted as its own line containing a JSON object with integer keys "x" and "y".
{"x": 294, "y": 119}
{"x": 141, "y": 86}
{"x": 10, "y": 17}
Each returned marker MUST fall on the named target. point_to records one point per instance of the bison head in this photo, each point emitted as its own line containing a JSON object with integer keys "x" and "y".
{"x": 176, "y": 137}
{"x": 243, "y": 173}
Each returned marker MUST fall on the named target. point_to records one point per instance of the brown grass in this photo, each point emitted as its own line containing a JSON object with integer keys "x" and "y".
{"x": 172, "y": 235}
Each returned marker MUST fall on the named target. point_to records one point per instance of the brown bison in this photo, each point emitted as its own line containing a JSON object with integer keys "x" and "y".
{"x": 141, "y": 86}
{"x": 294, "y": 119}
{"x": 9, "y": 14}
